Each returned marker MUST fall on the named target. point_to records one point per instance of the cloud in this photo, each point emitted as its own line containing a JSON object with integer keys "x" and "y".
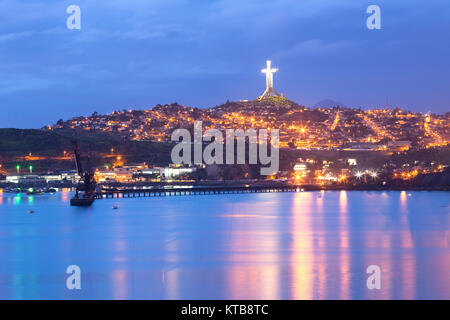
{"x": 264, "y": 10}
{"x": 20, "y": 83}
{"x": 14, "y": 36}
{"x": 138, "y": 50}
{"x": 316, "y": 47}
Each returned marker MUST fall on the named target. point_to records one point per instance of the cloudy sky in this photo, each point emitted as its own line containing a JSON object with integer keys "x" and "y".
{"x": 137, "y": 53}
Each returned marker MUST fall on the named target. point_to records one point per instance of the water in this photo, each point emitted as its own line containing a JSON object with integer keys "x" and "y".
{"x": 306, "y": 245}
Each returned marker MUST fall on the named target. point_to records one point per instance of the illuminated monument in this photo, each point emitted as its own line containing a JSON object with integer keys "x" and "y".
{"x": 270, "y": 91}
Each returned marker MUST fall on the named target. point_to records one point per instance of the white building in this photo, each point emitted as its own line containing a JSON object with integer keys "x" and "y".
{"x": 51, "y": 177}
{"x": 301, "y": 169}
{"x": 12, "y": 179}
{"x": 175, "y": 172}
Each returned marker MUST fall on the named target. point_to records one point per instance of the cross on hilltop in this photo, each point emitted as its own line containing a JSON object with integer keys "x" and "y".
{"x": 270, "y": 91}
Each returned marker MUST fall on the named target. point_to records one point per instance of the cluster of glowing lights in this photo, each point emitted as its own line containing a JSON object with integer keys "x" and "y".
{"x": 343, "y": 177}
{"x": 406, "y": 175}
{"x": 399, "y": 125}
{"x": 370, "y": 173}
{"x": 335, "y": 122}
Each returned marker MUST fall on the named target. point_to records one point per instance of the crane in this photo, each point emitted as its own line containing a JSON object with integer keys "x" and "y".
{"x": 85, "y": 191}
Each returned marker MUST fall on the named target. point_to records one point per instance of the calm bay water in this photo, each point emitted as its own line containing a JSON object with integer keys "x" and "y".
{"x": 306, "y": 245}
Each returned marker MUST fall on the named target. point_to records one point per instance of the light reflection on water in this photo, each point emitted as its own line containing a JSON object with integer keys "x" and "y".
{"x": 306, "y": 245}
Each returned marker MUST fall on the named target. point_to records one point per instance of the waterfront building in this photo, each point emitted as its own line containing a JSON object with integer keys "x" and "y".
{"x": 104, "y": 175}
{"x": 169, "y": 173}
{"x": 123, "y": 174}
{"x": 31, "y": 179}
{"x": 12, "y": 179}
{"x": 70, "y": 176}
{"x": 301, "y": 169}
{"x": 51, "y": 178}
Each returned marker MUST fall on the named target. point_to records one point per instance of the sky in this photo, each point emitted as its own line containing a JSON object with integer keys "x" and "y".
{"x": 134, "y": 54}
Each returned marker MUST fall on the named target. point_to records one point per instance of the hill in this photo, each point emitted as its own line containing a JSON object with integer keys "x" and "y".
{"x": 268, "y": 103}
{"x": 47, "y": 143}
{"x": 17, "y": 142}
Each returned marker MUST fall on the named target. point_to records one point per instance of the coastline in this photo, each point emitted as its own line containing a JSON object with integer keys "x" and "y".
{"x": 217, "y": 185}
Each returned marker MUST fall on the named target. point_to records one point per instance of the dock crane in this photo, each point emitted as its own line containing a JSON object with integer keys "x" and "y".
{"x": 85, "y": 191}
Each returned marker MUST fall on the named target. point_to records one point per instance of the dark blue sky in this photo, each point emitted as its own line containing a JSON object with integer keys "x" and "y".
{"x": 136, "y": 53}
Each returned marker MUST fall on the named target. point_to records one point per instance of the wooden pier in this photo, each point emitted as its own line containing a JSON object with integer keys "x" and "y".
{"x": 162, "y": 192}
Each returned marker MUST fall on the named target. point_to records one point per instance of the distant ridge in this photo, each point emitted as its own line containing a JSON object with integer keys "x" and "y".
{"x": 328, "y": 103}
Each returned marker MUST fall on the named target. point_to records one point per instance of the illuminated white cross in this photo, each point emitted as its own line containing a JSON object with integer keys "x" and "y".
{"x": 269, "y": 80}
{"x": 269, "y": 74}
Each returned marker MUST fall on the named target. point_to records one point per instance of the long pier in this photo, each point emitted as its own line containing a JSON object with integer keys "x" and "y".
{"x": 162, "y": 192}
{"x": 216, "y": 190}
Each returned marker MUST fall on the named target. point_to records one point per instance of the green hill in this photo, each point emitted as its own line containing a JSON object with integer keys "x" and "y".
{"x": 19, "y": 142}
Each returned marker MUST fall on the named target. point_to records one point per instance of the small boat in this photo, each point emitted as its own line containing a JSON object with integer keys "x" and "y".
{"x": 115, "y": 207}
{"x": 30, "y": 211}
{"x": 35, "y": 192}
